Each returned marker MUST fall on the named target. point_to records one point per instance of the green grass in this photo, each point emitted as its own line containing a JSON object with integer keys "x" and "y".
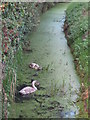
{"x": 77, "y": 20}
{"x": 77, "y": 36}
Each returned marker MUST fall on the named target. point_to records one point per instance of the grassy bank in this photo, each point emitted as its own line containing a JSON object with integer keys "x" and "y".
{"x": 76, "y": 31}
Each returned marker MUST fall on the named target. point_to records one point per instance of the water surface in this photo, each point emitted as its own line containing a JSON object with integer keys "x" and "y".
{"x": 59, "y": 83}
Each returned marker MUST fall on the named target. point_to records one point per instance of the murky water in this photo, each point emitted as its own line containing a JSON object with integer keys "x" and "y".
{"x": 59, "y": 83}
